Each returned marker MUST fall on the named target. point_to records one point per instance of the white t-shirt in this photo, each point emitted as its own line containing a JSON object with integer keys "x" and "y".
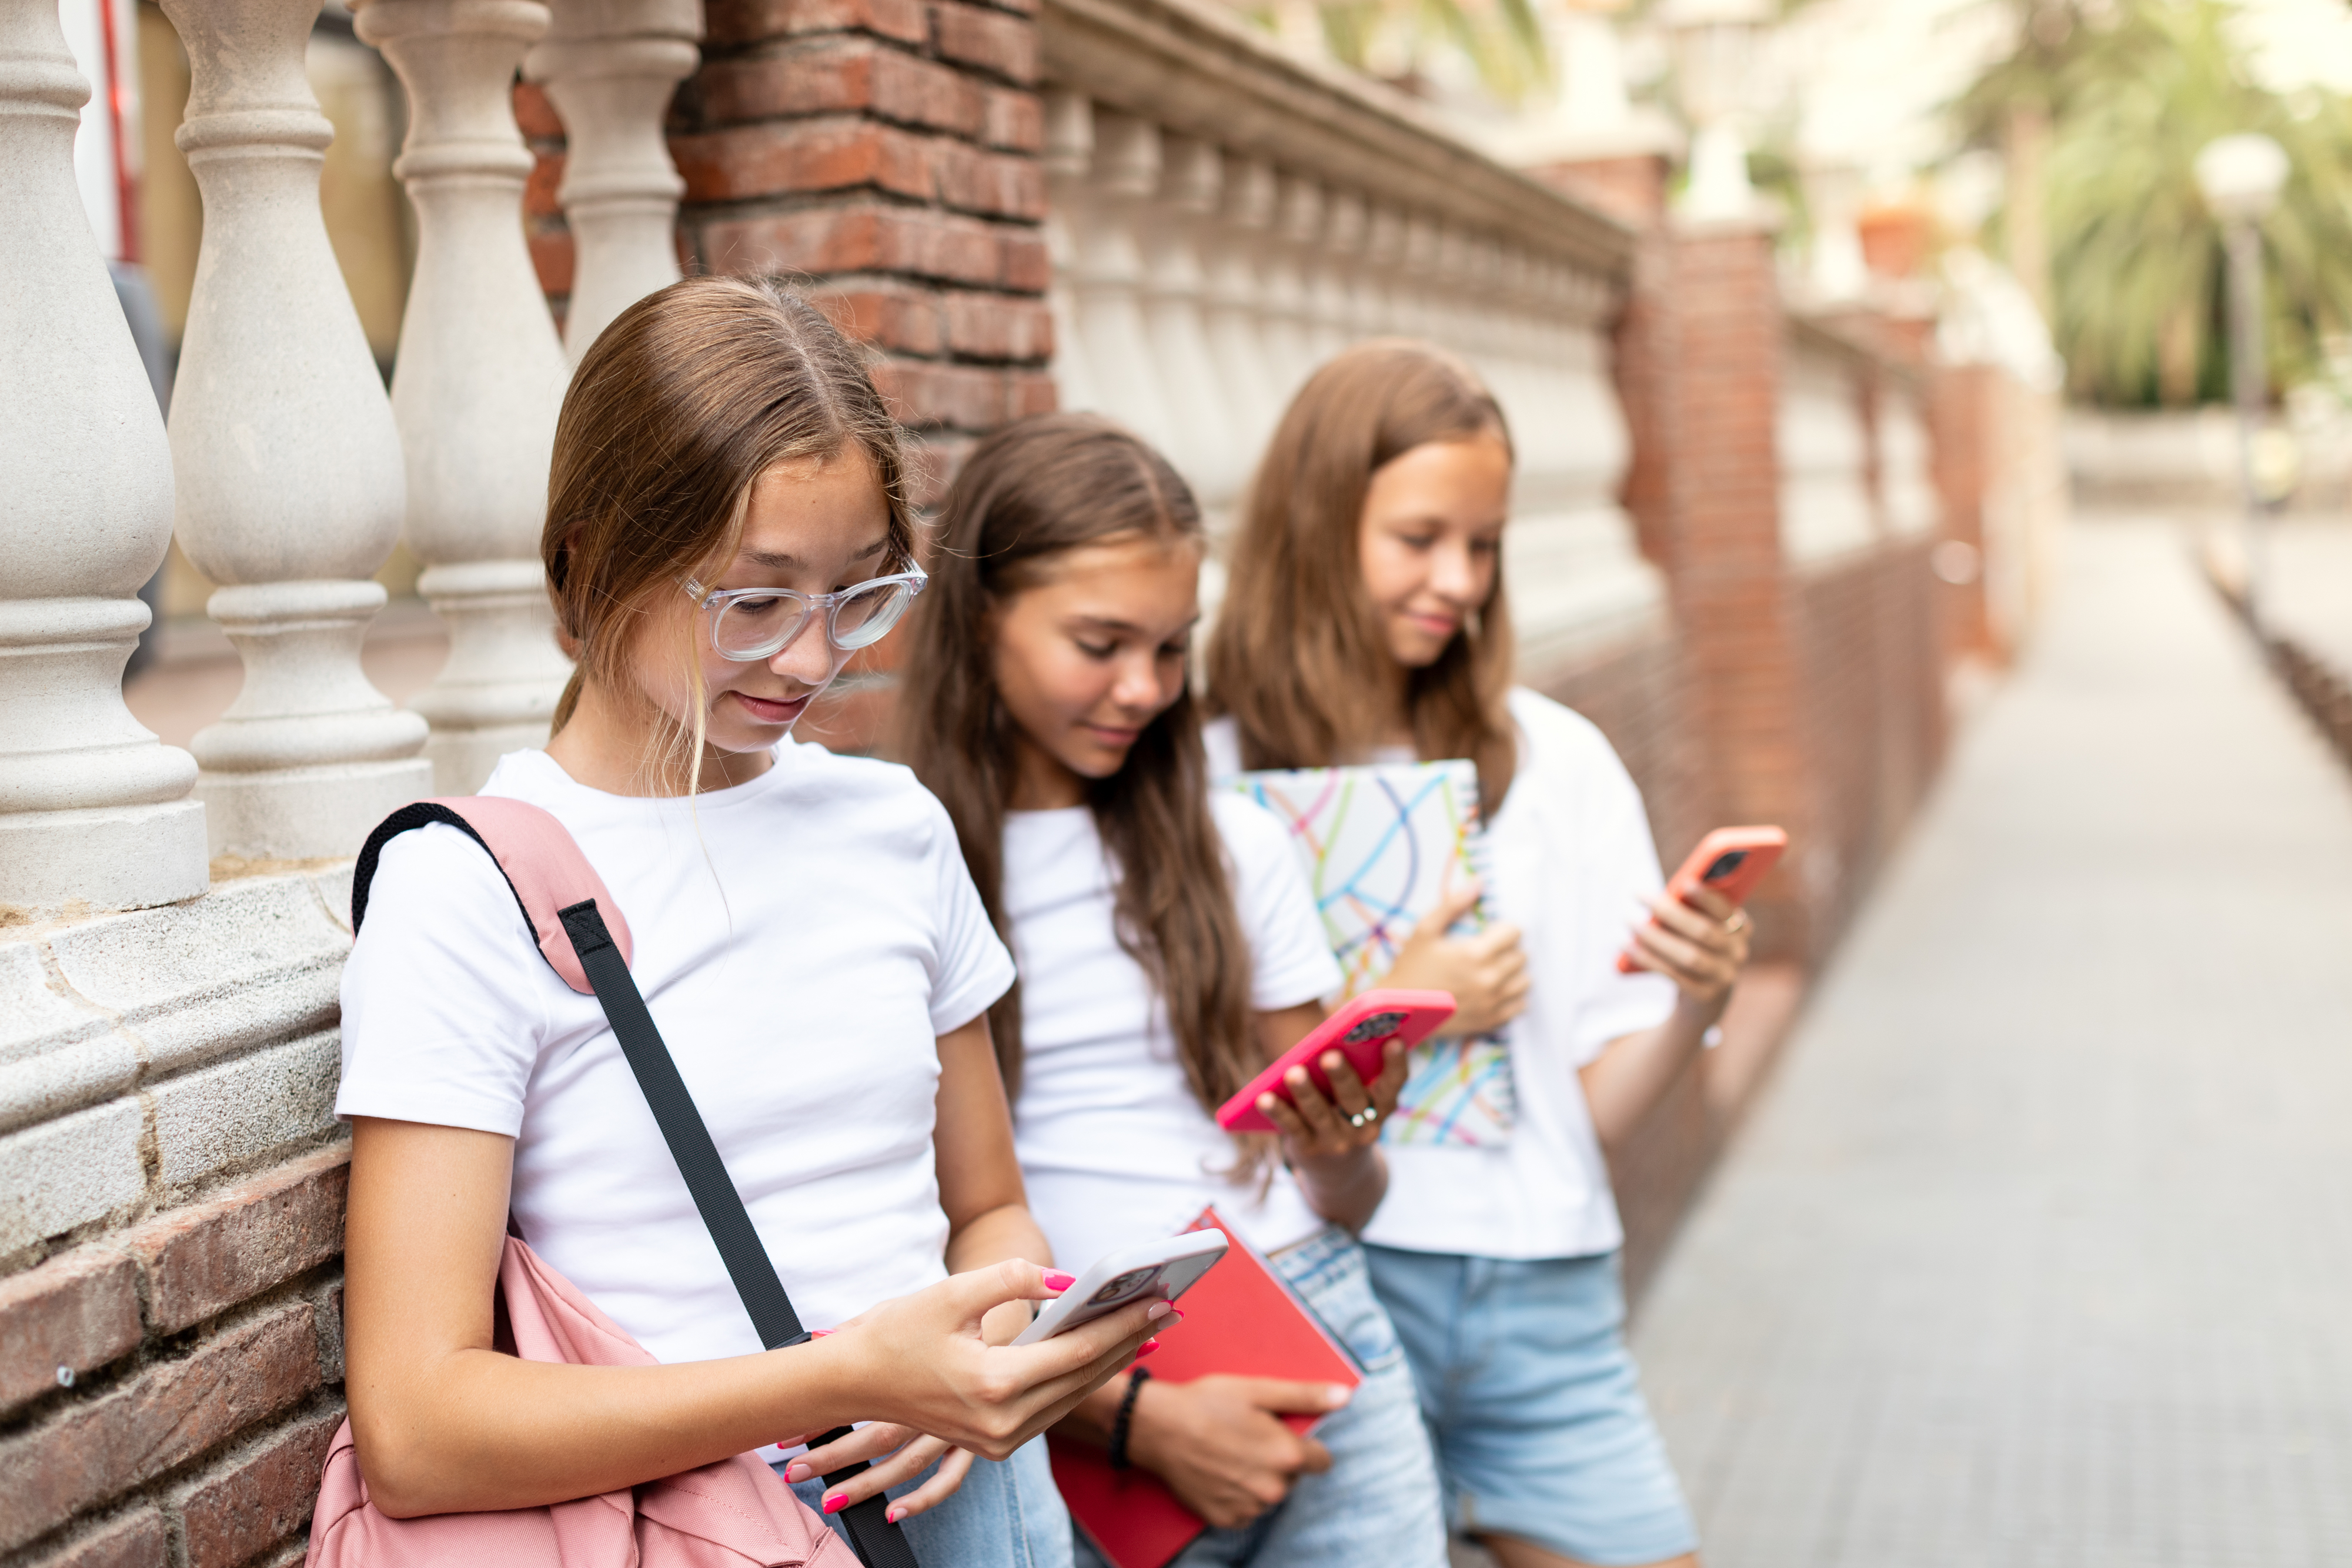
{"x": 801, "y": 940}
{"x": 1568, "y": 856}
{"x": 1115, "y": 1149}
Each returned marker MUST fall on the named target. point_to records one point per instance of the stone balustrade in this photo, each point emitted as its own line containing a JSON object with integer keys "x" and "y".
{"x": 1906, "y": 463}
{"x": 1223, "y": 218}
{"x": 1829, "y": 506}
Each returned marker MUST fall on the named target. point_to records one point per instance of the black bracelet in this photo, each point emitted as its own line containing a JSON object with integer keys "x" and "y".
{"x": 1136, "y": 1378}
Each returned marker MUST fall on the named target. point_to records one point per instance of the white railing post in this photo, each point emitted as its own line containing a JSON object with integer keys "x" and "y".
{"x": 1297, "y": 225}
{"x": 611, "y": 67}
{"x": 480, "y": 378}
{"x": 1203, "y": 445}
{"x": 1110, "y": 275}
{"x": 286, "y": 458}
{"x": 93, "y": 810}
{"x": 1236, "y": 303}
{"x": 1069, "y": 157}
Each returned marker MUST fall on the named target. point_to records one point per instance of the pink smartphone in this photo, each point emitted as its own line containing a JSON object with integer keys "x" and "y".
{"x": 1360, "y": 1030}
{"x": 1731, "y": 861}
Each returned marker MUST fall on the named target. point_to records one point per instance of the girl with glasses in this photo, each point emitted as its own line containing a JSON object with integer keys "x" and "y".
{"x": 1168, "y": 948}
{"x": 726, "y": 525}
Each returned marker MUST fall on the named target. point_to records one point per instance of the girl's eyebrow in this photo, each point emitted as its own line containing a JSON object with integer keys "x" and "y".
{"x": 776, "y": 560}
{"x": 1109, "y": 623}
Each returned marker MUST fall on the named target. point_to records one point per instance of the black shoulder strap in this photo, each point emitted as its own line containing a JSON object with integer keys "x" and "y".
{"x": 880, "y": 1542}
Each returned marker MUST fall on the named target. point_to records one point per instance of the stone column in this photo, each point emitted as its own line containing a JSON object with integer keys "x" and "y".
{"x": 1236, "y": 303}
{"x": 287, "y": 463}
{"x": 1203, "y": 442}
{"x": 1109, "y": 275}
{"x": 92, "y": 809}
{"x": 479, "y": 379}
{"x": 610, "y": 68}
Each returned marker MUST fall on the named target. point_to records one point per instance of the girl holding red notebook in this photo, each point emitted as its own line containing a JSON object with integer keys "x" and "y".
{"x": 1366, "y": 623}
{"x": 1168, "y": 949}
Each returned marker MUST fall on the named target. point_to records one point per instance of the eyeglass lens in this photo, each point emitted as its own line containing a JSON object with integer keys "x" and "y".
{"x": 757, "y": 627}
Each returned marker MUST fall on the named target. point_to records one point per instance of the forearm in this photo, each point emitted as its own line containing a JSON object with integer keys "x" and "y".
{"x": 1006, "y": 1231}
{"x": 1346, "y": 1189}
{"x": 1625, "y": 1084}
{"x": 473, "y": 1429}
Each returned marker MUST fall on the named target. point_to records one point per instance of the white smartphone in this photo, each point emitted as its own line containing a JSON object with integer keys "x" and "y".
{"x": 1162, "y": 1269}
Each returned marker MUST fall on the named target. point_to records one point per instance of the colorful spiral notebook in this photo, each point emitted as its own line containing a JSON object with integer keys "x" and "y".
{"x": 1381, "y": 844}
{"x": 1241, "y": 1320}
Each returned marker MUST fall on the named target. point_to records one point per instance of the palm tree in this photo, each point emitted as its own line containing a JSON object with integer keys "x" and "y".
{"x": 2134, "y": 259}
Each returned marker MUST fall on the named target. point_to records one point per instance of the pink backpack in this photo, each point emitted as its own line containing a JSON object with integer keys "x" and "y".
{"x": 723, "y": 1515}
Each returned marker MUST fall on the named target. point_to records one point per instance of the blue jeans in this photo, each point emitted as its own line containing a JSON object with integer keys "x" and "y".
{"x": 1534, "y": 1403}
{"x": 1378, "y": 1506}
{"x": 1005, "y": 1515}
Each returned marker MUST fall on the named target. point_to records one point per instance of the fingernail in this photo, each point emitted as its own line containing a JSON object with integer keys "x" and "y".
{"x": 1146, "y": 1348}
{"x": 1057, "y": 1281}
{"x": 894, "y": 1515}
{"x": 837, "y": 1501}
{"x": 1175, "y": 1316}
{"x": 1338, "y": 1395}
{"x": 797, "y": 1471}
{"x": 819, "y": 1334}
{"x": 1159, "y": 1310}
{"x": 1265, "y": 1102}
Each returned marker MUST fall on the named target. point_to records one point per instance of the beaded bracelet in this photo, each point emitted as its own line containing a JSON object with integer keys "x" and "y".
{"x": 1136, "y": 1378}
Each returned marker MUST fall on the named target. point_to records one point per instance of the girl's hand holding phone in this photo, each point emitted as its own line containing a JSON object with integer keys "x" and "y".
{"x": 1486, "y": 971}
{"x": 1698, "y": 941}
{"x": 1314, "y": 1127}
{"x": 948, "y": 1393}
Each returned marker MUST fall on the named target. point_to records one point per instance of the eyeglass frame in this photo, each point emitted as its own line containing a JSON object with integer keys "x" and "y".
{"x": 829, "y": 605}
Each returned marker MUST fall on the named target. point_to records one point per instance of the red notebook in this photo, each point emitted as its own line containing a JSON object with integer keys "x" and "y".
{"x": 1241, "y": 1320}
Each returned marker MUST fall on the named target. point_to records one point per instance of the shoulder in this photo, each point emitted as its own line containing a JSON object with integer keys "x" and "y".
{"x": 1222, "y": 738}
{"x": 1253, "y": 835}
{"x": 1565, "y": 759}
{"x": 886, "y": 794}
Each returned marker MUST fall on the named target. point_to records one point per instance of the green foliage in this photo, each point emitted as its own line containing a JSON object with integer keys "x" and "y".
{"x": 2134, "y": 95}
{"x": 1395, "y": 39}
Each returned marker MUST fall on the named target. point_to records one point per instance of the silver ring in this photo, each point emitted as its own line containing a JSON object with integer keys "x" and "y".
{"x": 1363, "y": 1118}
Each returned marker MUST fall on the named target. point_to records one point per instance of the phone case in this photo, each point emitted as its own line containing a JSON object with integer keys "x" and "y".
{"x": 1358, "y": 1030}
{"x": 1166, "y": 1267}
{"x": 1758, "y": 849}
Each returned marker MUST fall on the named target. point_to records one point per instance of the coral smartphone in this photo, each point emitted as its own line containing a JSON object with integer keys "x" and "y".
{"x": 1731, "y": 861}
{"x": 1358, "y": 1030}
{"x": 1166, "y": 1269}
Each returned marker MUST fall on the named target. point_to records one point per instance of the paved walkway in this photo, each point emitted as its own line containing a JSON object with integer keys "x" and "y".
{"x": 2039, "y": 1251}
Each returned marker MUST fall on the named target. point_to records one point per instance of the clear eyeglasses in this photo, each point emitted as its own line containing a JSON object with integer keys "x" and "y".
{"x": 748, "y": 624}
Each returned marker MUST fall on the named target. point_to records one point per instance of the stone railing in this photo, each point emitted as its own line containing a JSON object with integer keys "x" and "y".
{"x": 1223, "y": 218}
{"x": 1828, "y": 503}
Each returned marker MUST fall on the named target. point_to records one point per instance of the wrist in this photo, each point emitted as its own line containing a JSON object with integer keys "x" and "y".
{"x": 1695, "y": 1016}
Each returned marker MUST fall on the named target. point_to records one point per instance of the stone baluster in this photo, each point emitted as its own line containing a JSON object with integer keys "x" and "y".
{"x": 1297, "y": 227}
{"x": 1384, "y": 254}
{"x": 1334, "y": 306}
{"x": 611, "y": 67}
{"x": 1069, "y": 156}
{"x": 92, "y": 809}
{"x": 286, "y": 460}
{"x": 480, "y": 378}
{"x": 1111, "y": 276}
{"x": 1417, "y": 281}
{"x": 1236, "y": 303}
{"x": 1203, "y": 444}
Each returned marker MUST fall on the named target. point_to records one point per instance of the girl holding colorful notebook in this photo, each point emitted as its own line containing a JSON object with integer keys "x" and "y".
{"x": 1366, "y": 623}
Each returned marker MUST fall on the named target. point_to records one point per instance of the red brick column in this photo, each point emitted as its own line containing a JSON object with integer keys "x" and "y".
{"x": 1721, "y": 536}
{"x": 1966, "y": 414}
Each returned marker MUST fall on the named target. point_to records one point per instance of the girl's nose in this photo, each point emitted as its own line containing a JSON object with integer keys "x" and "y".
{"x": 810, "y": 657}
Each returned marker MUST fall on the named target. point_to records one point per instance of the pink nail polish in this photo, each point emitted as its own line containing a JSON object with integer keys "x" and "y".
{"x": 1175, "y": 1316}
{"x": 1057, "y": 1281}
{"x": 1146, "y": 1348}
{"x": 895, "y": 1515}
{"x": 837, "y": 1502}
{"x": 797, "y": 1471}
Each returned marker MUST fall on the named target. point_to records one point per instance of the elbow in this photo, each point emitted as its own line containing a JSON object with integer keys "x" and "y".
{"x": 402, "y": 1479}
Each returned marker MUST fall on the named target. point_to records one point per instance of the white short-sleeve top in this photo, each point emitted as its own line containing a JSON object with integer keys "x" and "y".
{"x": 800, "y": 941}
{"x": 1115, "y": 1147}
{"x": 1568, "y": 857}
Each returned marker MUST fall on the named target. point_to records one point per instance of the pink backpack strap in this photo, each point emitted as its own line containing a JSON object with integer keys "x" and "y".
{"x": 540, "y": 858}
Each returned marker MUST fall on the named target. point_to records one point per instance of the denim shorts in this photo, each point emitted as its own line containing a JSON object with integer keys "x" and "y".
{"x": 1378, "y": 1506}
{"x": 1534, "y": 1403}
{"x": 1005, "y": 1515}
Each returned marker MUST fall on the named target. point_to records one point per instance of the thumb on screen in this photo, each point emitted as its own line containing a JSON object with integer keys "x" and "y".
{"x": 1300, "y": 1398}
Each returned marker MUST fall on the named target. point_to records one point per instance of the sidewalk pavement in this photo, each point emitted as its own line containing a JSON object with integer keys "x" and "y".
{"x": 2039, "y": 1251}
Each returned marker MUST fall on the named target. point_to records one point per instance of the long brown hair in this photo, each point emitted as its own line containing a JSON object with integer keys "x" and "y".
{"x": 1029, "y": 494}
{"x": 1297, "y": 635}
{"x": 676, "y": 411}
